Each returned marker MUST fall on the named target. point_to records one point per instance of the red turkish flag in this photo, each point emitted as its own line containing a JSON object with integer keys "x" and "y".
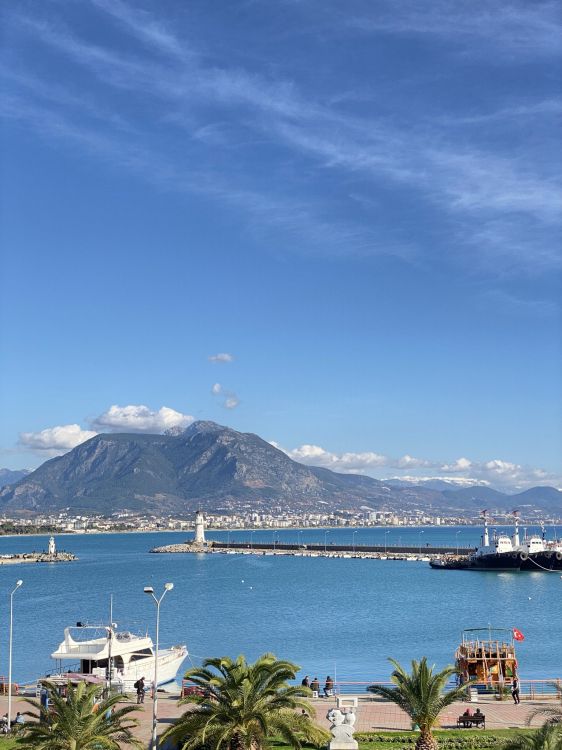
{"x": 518, "y": 635}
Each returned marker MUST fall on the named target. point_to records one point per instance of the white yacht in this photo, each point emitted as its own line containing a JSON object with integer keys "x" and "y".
{"x": 92, "y": 648}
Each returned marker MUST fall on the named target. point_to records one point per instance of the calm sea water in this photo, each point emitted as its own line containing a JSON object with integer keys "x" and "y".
{"x": 328, "y": 615}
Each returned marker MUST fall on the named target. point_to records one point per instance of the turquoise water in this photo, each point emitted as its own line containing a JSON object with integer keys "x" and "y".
{"x": 329, "y": 615}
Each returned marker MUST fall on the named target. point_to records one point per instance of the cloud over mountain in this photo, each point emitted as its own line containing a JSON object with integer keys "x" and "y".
{"x": 494, "y": 472}
{"x": 140, "y": 418}
{"x": 55, "y": 440}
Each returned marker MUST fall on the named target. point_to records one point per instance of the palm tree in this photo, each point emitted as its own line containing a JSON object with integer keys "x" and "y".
{"x": 421, "y": 695}
{"x": 80, "y": 721}
{"x": 548, "y": 737}
{"x": 553, "y": 713}
{"x": 242, "y": 706}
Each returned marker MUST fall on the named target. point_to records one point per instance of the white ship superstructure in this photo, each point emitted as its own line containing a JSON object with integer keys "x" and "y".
{"x": 92, "y": 649}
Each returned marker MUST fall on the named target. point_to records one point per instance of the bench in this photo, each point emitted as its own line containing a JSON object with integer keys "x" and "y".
{"x": 471, "y": 721}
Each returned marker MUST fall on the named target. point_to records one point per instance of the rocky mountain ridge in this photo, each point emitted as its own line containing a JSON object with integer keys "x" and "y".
{"x": 221, "y": 470}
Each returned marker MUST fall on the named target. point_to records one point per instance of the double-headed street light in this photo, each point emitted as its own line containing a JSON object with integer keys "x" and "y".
{"x": 18, "y": 584}
{"x": 419, "y": 535}
{"x": 457, "y": 536}
{"x": 150, "y": 591}
{"x": 325, "y": 540}
{"x": 353, "y": 539}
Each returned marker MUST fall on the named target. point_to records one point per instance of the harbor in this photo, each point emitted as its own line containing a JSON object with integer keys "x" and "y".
{"x": 496, "y": 551}
{"x": 376, "y": 607}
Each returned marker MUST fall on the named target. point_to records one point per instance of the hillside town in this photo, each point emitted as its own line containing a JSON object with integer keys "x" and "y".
{"x": 65, "y": 522}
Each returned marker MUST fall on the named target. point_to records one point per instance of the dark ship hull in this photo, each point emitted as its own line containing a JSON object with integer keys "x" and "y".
{"x": 507, "y": 561}
{"x": 546, "y": 560}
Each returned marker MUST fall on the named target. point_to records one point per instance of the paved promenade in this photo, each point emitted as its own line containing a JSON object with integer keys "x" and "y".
{"x": 373, "y": 714}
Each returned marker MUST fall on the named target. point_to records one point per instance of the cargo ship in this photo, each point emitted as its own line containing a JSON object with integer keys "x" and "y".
{"x": 501, "y": 552}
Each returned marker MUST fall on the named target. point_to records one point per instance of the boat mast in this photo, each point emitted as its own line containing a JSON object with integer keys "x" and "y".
{"x": 486, "y": 537}
{"x": 516, "y": 533}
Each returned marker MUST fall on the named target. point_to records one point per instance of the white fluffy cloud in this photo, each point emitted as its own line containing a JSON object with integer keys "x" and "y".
{"x": 230, "y": 399}
{"x": 133, "y": 418}
{"x": 221, "y": 358}
{"x": 56, "y": 440}
{"x": 139, "y": 418}
{"x": 346, "y": 462}
{"x": 462, "y": 471}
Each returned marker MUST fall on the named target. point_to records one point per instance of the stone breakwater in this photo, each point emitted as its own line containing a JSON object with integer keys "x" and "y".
{"x": 36, "y": 557}
{"x": 214, "y": 549}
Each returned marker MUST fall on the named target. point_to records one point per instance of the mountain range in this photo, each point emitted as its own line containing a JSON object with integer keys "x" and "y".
{"x": 225, "y": 471}
{"x": 10, "y": 476}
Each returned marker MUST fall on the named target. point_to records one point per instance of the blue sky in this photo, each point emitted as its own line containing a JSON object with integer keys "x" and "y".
{"x": 358, "y": 203}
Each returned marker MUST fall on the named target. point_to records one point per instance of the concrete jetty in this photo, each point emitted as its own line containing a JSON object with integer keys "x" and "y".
{"x": 199, "y": 545}
{"x": 313, "y": 550}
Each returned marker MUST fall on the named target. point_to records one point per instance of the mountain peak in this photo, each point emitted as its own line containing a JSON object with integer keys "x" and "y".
{"x": 204, "y": 426}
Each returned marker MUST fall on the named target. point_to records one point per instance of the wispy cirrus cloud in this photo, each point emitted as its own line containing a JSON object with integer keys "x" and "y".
{"x": 526, "y": 28}
{"x": 494, "y": 203}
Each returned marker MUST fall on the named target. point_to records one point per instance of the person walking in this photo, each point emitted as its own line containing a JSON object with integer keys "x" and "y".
{"x": 139, "y": 685}
{"x": 515, "y": 690}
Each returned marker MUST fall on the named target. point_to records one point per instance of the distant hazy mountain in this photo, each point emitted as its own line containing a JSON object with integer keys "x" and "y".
{"x": 9, "y": 476}
{"x": 220, "y": 469}
{"x": 433, "y": 483}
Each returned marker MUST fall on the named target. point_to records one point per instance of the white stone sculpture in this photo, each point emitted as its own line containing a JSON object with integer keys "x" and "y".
{"x": 342, "y": 728}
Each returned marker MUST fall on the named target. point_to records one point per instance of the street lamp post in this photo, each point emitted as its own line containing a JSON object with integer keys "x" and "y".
{"x": 299, "y": 535}
{"x": 419, "y": 535}
{"x": 18, "y": 584}
{"x": 228, "y": 539}
{"x": 274, "y": 540}
{"x": 385, "y": 539}
{"x": 325, "y": 540}
{"x": 457, "y": 535}
{"x": 150, "y": 591}
{"x": 353, "y": 539}
{"x": 252, "y": 539}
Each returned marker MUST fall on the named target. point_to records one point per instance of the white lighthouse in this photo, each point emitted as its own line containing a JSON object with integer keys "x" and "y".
{"x": 199, "y": 528}
{"x": 52, "y": 546}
